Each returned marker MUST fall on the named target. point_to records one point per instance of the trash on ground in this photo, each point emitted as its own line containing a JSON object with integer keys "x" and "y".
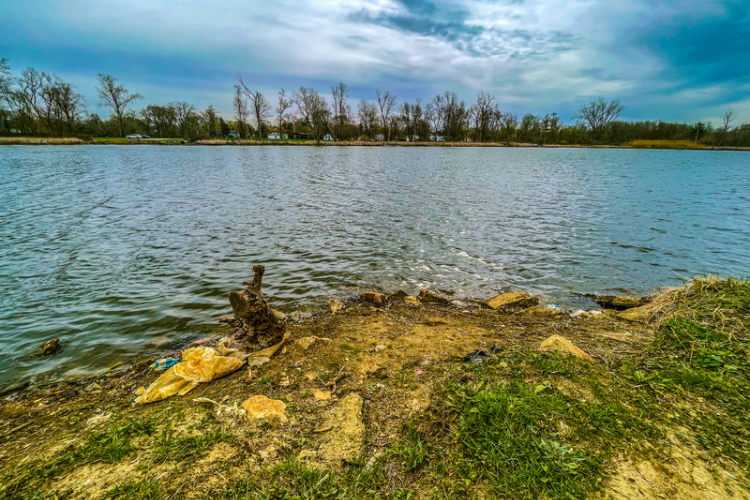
{"x": 200, "y": 364}
{"x": 163, "y": 364}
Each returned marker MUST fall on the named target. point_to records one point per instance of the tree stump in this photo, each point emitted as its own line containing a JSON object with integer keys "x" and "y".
{"x": 255, "y": 323}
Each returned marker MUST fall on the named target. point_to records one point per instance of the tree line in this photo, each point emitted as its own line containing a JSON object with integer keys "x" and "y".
{"x": 37, "y": 103}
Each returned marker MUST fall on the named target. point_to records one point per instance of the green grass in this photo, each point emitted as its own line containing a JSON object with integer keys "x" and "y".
{"x": 109, "y": 446}
{"x": 168, "y": 447}
{"x": 700, "y": 356}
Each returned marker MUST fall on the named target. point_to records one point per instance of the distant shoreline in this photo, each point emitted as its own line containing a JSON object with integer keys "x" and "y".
{"x": 45, "y": 141}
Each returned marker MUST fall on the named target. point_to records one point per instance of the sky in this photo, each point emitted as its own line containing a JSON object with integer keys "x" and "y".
{"x": 675, "y": 60}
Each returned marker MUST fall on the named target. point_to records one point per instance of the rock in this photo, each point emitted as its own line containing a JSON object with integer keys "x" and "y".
{"x": 458, "y": 303}
{"x": 279, "y": 315}
{"x": 380, "y": 347}
{"x": 298, "y": 316}
{"x": 400, "y": 295}
{"x": 514, "y": 300}
{"x": 427, "y": 296}
{"x": 260, "y": 409}
{"x": 619, "y": 302}
{"x": 558, "y": 343}
{"x": 435, "y": 321}
{"x": 94, "y": 387}
{"x": 345, "y": 441}
{"x": 374, "y": 297}
{"x": 335, "y": 306}
{"x": 411, "y": 301}
{"x": 641, "y": 314}
{"x": 580, "y": 314}
{"x": 196, "y": 343}
{"x": 322, "y": 395}
{"x": 543, "y": 311}
{"x": 306, "y": 342}
{"x": 50, "y": 347}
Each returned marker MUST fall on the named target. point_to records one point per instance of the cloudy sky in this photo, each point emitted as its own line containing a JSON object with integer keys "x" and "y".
{"x": 680, "y": 60}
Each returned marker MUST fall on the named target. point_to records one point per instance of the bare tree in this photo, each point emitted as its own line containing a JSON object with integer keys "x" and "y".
{"x": 341, "y": 111}
{"x": 483, "y": 114}
{"x": 240, "y": 110}
{"x": 281, "y": 108}
{"x": 115, "y": 96}
{"x": 314, "y": 110}
{"x": 368, "y": 118}
{"x": 209, "y": 121}
{"x": 261, "y": 106}
{"x": 599, "y": 114}
{"x": 728, "y": 118}
{"x": 386, "y": 101}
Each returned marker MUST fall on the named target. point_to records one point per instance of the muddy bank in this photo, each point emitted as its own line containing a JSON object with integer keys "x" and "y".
{"x": 412, "y": 397}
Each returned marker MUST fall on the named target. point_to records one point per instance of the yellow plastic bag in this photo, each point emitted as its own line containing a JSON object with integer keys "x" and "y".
{"x": 200, "y": 364}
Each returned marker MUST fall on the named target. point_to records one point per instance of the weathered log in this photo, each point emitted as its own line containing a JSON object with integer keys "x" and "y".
{"x": 257, "y": 325}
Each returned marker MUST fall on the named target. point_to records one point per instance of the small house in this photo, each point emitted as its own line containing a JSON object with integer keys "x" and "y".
{"x": 233, "y": 134}
{"x": 328, "y": 137}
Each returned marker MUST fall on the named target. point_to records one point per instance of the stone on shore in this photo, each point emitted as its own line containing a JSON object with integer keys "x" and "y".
{"x": 561, "y": 344}
{"x": 619, "y": 302}
{"x": 514, "y": 300}
{"x": 411, "y": 301}
{"x": 374, "y": 297}
{"x": 335, "y": 306}
{"x": 636, "y": 314}
{"x": 261, "y": 409}
{"x": 345, "y": 440}
{"x": 427, "y": 296}
{"x": 50, "y": 347}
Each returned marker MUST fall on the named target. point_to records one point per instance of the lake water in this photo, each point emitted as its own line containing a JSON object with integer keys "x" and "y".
{"x": 127, "y": 251}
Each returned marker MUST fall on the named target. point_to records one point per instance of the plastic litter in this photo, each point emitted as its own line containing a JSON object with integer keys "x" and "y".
{"x": 163, "y": 364}
{"x": 202, "y": 364}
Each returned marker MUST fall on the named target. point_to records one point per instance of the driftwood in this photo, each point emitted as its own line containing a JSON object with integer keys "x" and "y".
{"x": 255, "y": 323}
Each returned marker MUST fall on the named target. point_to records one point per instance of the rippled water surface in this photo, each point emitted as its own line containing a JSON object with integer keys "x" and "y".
{"x": 124, "y": 251}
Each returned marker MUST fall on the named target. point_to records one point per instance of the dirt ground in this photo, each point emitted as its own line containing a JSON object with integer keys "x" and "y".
{"x": 389, "y": 360}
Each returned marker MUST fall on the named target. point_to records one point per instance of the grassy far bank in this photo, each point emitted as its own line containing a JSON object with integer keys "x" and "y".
{"x": 666, "y": 145}
{"x": 663, "y": 411}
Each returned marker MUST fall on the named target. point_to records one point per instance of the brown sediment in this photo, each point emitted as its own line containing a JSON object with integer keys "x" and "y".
{"x": 384, "y": 363}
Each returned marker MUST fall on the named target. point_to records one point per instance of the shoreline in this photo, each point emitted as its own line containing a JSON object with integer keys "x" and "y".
{"x": 33, "y": 141}
{"x": 385, "y": 396}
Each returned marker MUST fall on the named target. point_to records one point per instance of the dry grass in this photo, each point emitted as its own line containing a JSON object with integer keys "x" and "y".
{"x": 644, "y": 144}
{"x": 25, "y": 141}
{"x": 715, "y": 303}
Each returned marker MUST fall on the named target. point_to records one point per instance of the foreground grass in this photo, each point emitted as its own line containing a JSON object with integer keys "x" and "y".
{"x": 644, "y": 144}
